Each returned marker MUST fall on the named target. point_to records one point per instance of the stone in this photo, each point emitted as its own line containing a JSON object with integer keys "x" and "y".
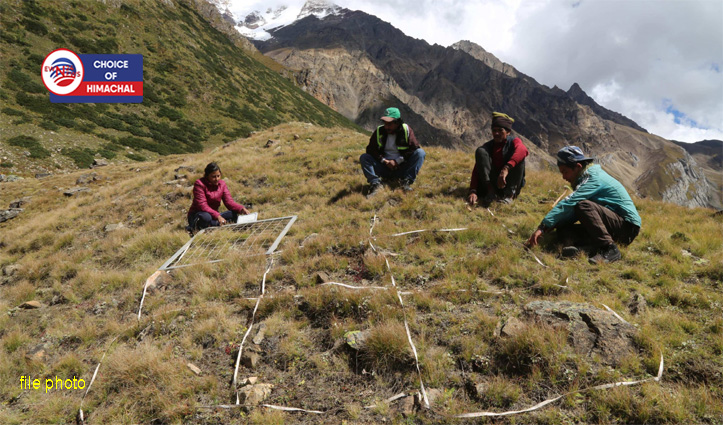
{"x": 296, "y": 137}
{"x": 195, "y": 369}
{"x": 86, "y": 178}
{"x": 591, "y": 330}
{"x": 10, "y": 270}
{"x": 185, "y": 168}
{"x": 12, "y": 178}
{"x": 433, "y": 395}
{"x": 253, "y": 395}
{"x": 58, "y": 299}
{"x": 36, "y": 354}
{"x": 638, "y": 304}
{"x": 158, "y": 279}
{"x": 356, "y": 339}
{"x": 18, "y": 203}
{"x": 250, "y": 359}
{"x": 113, "y": 227}
{"x": 407, "y": 405}
{"x": 42, "y": 175}
{"x": 259, "y": 338}
{"x": 75, "y": 190}
{"x": 251, "y": 380}
{"x": 180, "y": 176}
{"x": 322, "y": 277}
{"x": 6, "y": 215}
{"x": 98, "y": 162}
{"x": 270, "y": 143}
{"x": 30, "y": 305}
{"x": 512, "y": 327}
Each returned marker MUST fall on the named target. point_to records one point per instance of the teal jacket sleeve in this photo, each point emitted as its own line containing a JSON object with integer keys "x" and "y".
{"x": 564, "y": 211}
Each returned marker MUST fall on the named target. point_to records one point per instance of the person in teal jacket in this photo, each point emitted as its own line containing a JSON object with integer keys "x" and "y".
{"x": 603, "y": 207}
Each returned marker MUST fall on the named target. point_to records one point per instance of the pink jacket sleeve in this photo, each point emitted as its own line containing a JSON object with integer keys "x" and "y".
{"x": 228, "y": 200}
{"x": 199, "y": 197}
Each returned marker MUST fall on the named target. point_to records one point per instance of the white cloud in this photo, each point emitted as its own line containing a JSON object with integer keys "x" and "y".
{"x": 628, "y": 55}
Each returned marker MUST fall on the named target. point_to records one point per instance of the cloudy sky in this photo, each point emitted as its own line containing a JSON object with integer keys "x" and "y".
{"x": 658, "y": 62}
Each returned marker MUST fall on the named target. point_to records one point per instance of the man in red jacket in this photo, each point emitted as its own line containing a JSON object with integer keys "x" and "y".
{"x": 499, "y": 168}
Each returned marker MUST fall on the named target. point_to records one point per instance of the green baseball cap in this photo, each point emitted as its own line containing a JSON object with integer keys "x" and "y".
{"x": 391, "y": 114}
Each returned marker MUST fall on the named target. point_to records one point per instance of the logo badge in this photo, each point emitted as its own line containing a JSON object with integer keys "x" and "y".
{"x": 62, "y": 72}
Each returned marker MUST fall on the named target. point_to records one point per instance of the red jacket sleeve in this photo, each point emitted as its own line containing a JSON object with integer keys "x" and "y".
{"x": 199, "y": 199}
{"x": 521, "y": 153}
{"x": 228, "y": 200}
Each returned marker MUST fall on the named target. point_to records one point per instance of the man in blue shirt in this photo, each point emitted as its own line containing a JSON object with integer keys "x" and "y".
{"x": 599, "y": 202}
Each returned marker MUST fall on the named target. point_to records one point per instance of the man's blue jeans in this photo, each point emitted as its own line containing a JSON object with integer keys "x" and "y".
{"x": 374, "y": 170}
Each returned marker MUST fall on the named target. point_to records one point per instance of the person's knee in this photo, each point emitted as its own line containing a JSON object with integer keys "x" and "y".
{"x": 420, "y": 153}
{"x": 481, "y": 153}
{"x": 583, "y": 207}
{"x": 365, "y": 158}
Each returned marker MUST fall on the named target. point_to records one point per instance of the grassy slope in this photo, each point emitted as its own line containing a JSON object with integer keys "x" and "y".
{"x": 199, "y": 88}
{"x": 96, "y": 278}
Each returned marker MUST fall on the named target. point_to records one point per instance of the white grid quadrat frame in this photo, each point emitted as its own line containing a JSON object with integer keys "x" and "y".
{"x": 213, "y": 244}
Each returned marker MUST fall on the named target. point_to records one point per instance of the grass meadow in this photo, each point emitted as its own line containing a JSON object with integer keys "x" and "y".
{"x": 457, "y": 289}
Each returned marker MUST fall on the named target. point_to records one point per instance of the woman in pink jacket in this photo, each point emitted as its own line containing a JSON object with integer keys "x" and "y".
{"x": 208, "y": 193}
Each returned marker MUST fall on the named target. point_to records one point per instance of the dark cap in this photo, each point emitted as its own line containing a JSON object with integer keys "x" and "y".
{"x": 571, "y": 155}
{"x": 502, "y": 120}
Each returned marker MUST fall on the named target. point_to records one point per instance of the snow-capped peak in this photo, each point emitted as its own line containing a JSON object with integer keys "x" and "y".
{"x": 319, "y": 8}
{"x": 256, "y": 24}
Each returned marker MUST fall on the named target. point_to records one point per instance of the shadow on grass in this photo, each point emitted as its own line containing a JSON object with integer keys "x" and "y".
{"x": 344, "y": 193}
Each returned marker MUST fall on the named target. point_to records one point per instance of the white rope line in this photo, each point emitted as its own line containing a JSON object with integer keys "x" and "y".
{"x": 425, "y": 230}
{"x": 353, "y": 287}
{"x": 552, "y": 400}
{"x": 150, "y": 279}
{"x": 291, "y": 409}
{"x": 614, "y": 314}
{"x": 95, "y": 374}
{"x": 406, "y": 327}
{"x": 251, "y": 325}
{"x": 389, "y": 400}
{"x": 270, "y": 406}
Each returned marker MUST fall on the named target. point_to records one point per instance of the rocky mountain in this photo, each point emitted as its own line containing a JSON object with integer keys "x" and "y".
{"x": 358, "y": 64}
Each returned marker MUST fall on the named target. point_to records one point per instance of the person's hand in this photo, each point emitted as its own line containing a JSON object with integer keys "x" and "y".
{"x": 502, "y": 178}
{"x": 534, "y": 239}
{"x": 390, "y": 163}
{"x": 244, "y": 211}
{"x": 221, "y": 221}
{"x": 472, "y": 199}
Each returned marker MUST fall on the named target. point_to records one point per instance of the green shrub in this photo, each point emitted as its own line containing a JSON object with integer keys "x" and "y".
{"x": 83, "y": 158}
{"x": 31, "y": 144}
{"x": 11, "y": 111}
{"x": 7, "y": 164}
{"x": 49, "y": 125}
{"x": 136, "y": 157}
{"x": 34, "y": 26}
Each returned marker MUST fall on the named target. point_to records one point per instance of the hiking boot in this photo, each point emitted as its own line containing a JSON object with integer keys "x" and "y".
{"x": 573, "y": 250}
{"x": 406, "y": 185}
{"x": 191, "y": 231}
{"x": 570, "y": 251}
{"x": 607, "y": 254}
{"x": 374, "y": 188}
{"x": 507, "y": 201}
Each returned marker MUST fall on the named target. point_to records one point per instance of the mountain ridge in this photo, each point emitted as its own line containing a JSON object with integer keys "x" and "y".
{"x": 455, "y": 92}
